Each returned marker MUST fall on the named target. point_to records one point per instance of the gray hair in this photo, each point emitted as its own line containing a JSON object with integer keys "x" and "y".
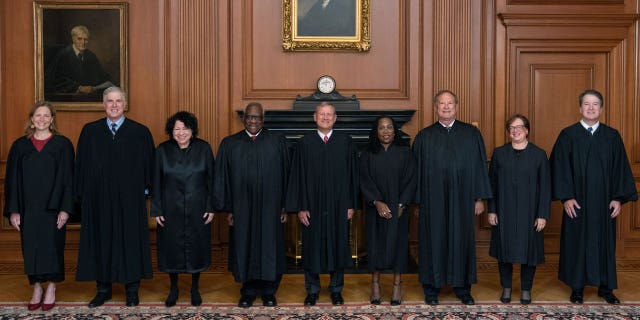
{"x": 114, "y": 89}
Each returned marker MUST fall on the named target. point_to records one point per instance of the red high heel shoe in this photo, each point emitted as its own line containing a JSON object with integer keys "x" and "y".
{"x": 48, "y": 306}
{"x": 34, "y": 306}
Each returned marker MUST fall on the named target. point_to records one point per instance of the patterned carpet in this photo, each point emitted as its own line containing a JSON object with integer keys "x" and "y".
{"x": 408, "y": 311}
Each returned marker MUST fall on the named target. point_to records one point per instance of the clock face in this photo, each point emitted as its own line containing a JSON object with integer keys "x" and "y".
{"x": 326, "y": 84}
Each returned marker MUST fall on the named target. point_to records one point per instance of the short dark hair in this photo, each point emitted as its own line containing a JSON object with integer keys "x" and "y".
{"x": 189, "y": 119}
{"x": 441, "y": 92}
{"x": 591, "y": 92}
{"x": 374, "y": 142}
{"x": 525, "y": 121}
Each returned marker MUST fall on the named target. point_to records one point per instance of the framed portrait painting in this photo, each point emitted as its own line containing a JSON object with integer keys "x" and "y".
{"x": 313, "y": 25}
{"x": 80, "y": 50}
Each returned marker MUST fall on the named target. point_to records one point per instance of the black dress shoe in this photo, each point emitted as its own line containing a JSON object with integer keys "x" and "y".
{"x": 576, "y": 297}
{"x": 246, "y": 301}
{"x": 431, "y": 300}
{"x": 609, "y": 297}
{"x": 100, "y": 299}
{"x": 467, "y": 299}
{"x": 269, "y": 301}
{"x": 311, "y": 299}
{"x": 336, "y": 299}
{"x": 132, "y": 299}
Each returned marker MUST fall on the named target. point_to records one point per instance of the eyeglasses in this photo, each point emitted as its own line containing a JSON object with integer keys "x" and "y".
{"x": 516, "y": 128}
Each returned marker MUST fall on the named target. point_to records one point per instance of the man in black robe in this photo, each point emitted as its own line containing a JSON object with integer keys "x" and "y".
{"x": 76, "y": 70}
{"x": 323, "y": 190}
{"x": 452, "y": 182}
{"x": 592, "y": 177}
{"x": 113, "y": 174}
{"x": 249, "y": 185}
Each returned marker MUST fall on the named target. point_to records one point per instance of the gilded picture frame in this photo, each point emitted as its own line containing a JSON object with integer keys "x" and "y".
{"x": 317, "y": 25}
{"x": 80, "y": 50}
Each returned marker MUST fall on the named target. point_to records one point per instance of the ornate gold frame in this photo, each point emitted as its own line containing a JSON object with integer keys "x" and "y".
{"x": 95, "y": 8}
{"x": 292, "y": 42}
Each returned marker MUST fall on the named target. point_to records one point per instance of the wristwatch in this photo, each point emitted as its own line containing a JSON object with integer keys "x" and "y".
{"x": 400, "y": 205}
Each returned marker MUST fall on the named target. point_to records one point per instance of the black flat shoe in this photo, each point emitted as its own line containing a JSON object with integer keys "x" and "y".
{"x": 609, "y": 297}
{"x": 269, "y": 301}
{"x": 171, "y": 298}
{"x": 246, "y": 301}
{"x": 576, "y": 297}
{"x": 132, "y": 299}
{"x": 196, "y": 299}
{"x": 100, "y": 299}
{"x": 311, "y": 299}
{"x": 336, "y": 299}
{"x": 432, "y": 301}
{"x": 467, "y": 299}
{"x": 506, "y": 295}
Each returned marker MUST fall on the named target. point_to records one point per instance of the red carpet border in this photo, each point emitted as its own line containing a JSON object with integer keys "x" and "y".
{"x": 360, "y": 311}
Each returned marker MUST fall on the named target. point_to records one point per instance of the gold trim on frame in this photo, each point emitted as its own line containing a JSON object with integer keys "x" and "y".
{"x": 292, "y": 42}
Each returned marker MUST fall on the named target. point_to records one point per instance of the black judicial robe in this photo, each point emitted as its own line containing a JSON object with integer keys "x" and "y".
{"x": 452, "y": 174}
{"x": 250, "y": 183}
{"x": 593, "y": 170}
{"x": 324, "y": 181}
{"x": 182, "y": 193}
{"x": 388, "y": 176}
{"x": 521, "y": 185}
{"x": 112, "y": 173}
{"x": 38, "y": 185}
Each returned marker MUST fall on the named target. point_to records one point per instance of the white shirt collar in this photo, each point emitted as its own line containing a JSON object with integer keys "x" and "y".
{"x": 586, "y": 126}
{"x": 450, "y": 125}
{"x": 322, "y": 134}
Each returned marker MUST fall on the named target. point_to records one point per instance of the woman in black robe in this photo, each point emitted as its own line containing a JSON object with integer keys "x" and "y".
{"x": 183, "y": 203}
{"x": 518, "y": 212}
{"x": 38, "y": 200}
{"x": 388, "y": 182}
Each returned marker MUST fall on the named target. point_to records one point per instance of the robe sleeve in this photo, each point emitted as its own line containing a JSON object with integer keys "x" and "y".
{"x": 368, "y": 187}
{"x": 482, "y": 187}
{"x": 623, "y": 185}
{"x": 296, "y": 188}
{"x": 210, "y": 168}
{"x": 149, "y": 149}
{"x": 417, "y": 152}
{"x": 493, "y": 178}
{"x": 221, "y": 182}
{"x": 61, "y": 198}
{"x": 80, "y": 164}
{"x": 12, "y": 188}
{"x": 158, "y": 169}
{"x": 286, "y": 164}
{"x": 561, "y": 171}
{"x": 544, "y": 187}
{"x": 409, "y": 178}
{"x": 355, "y": 181}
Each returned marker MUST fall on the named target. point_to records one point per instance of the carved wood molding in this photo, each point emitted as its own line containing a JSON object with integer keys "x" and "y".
{"x": 573, "y": 20}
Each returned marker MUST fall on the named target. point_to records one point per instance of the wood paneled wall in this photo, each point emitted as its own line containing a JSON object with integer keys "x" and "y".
{"x": 499, "y": 56}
